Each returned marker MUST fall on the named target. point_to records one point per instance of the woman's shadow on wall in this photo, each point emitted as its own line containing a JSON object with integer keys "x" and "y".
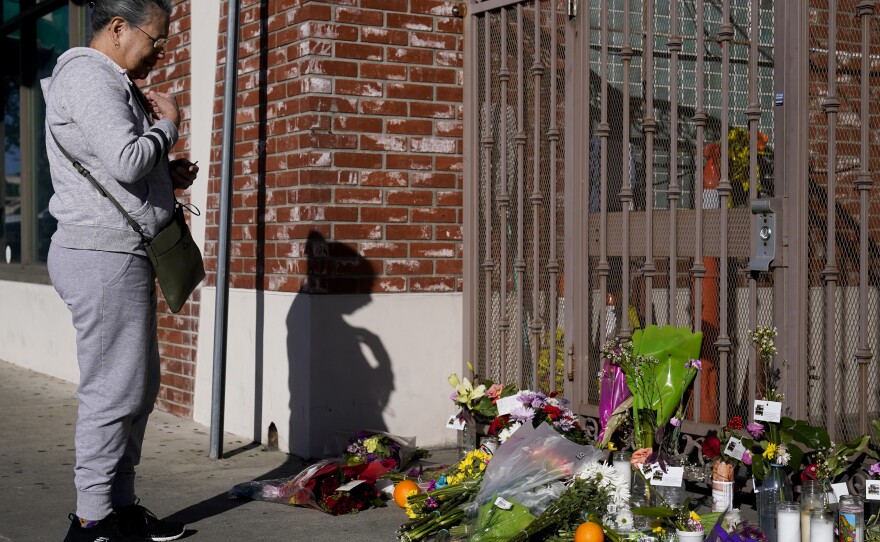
{"x": 340, "y": 375}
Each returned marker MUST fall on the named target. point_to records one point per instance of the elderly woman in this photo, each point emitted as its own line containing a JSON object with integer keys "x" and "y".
{"x": 98, "y": 117}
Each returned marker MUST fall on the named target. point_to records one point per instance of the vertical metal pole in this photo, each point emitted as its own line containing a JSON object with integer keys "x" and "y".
{"x": 700, "y": 117}
{"x": 603, "y": 131}
{"x": 221, "y": 311}
{"x": 553, "y": 138}
{"x": 753, "y": 115}
{"x": 486, "y": 144}
{"x": 864, "y": 184}
{"x": 626, "y": 193}
{"x": 577, "y": 102}
{"x": 470, "y": 270}
{"x": 519, "y": 265}
{"x": 649, "y": 126}
{"x": 725, "y": 36}
{"x": 504, "y": 198}
{"x": 674, "y": 189}
{"x": 831, "y": 105}
{"x": 536, "y": 199}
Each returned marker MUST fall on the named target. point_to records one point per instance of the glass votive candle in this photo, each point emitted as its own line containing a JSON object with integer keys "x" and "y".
{"x": 788, "y": 521}
{"x": 620, "y": 462}
{"x": 822, "y": 525}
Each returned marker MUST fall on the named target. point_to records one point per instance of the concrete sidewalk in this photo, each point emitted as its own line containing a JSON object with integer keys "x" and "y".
{"x": 175, "y": 479}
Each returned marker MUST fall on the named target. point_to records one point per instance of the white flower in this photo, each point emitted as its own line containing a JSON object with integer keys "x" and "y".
{"x": 607, "y": 477}
{"x": 782, "y": 455}
{"x": 507, "y": 431}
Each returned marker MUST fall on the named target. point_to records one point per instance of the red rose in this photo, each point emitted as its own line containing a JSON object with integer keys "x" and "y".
{"x": 810, "y": 472}
{"x": 499, "y": 423}
{"x": 712, "y": 447}
{"x": 552, "y": 411}
{"x": 735, "y": 423}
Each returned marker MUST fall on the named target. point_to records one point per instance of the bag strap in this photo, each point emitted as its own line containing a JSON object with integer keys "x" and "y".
{"x": 88, "y": 175}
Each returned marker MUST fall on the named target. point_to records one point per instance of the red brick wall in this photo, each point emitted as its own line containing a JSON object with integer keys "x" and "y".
{"x": 177, "y": 332}
{"x": 349, "y": 124}
{"x": 848, "y": 139}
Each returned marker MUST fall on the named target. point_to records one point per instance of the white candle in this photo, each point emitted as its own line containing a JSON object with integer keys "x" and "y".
{"x": 821, "y": 526}
{"x": 788, "y": 522}
{"x": 805, "y": 525}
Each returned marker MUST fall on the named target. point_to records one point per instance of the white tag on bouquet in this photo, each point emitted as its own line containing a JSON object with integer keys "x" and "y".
{"x": 872, "y": 490}
{"x": 503, "y": 503}
{"x": 455, "y": 423}
{"x": 768, "y": 411}
{"x": 505, "y": 405}
{"x": 349, "y": 486}
{"x": 673, "y": 476}
{"x": 735, "y": 448}
{"x": 839, "y": 491}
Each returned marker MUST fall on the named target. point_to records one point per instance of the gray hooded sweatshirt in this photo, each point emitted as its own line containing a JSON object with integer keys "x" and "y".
{"x": 95, "y": 114}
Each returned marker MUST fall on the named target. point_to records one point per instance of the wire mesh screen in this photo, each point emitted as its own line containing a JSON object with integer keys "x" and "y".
{"x": 521, "y": 127}
{"x": 844, "y": 384}
{"x": 675, "y": 159}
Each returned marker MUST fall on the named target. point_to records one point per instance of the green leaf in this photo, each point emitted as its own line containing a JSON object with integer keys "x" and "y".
{"x": 673, "y": 347}
{"x": 810, "y": 436}
{"x": 760, "y": 466}
{"x": 655, "y": 512}
{"x": 797, "y": 455}
{"x": 709, "y": 520}
{"x": 856, "y": 445}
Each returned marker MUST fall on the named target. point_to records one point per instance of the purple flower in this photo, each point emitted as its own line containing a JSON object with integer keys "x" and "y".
{"x": 522, "y": 414}
{"x": 755, "y": 429}
{"x": 747, "y": 457}
{"x": 874, "y": 470}
{"x": 675, "y": 421}
{"x": 694, "y": 363}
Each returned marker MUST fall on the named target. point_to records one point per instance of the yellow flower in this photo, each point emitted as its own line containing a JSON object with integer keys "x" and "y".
{"x": 371, "y": 444}
{"x": 694, "y": 516}
{"x": 659, "y": 530}
{"x": 770, "y": 451}
{"x": 410, "y": 513}
{"x": 612, "y": 447}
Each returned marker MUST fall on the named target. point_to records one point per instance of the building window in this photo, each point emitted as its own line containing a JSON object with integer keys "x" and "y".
{"x": 34, "y": 33}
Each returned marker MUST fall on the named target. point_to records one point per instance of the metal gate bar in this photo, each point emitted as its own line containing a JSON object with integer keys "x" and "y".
{"x": 831, "y": 104}
{"x": 698, "y": 270}
{"x": 725, "y": 36}
{"x": 864, "y": 183}
{"x": 674, "y": 193}
{"x": 649, "y": 126}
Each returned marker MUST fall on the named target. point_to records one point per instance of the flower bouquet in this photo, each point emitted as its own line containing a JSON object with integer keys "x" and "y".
{"x": 683, "y": 519}
{"x": 536, "y": 408}
{"x": 369, "y": 446}
{"x": 478, "y": 399}
{"x": 442, "y": 505}
{"x": 328, "y": 485}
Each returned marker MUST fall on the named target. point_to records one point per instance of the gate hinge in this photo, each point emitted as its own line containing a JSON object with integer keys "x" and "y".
{"x": 571, "y": 363}
{"x": 572, "y": 9}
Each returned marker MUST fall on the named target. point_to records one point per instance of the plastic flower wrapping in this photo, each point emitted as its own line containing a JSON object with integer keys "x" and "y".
{"x": 369, "y": 446}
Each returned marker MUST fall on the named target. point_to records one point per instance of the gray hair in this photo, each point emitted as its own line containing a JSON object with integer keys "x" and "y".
{"x": 133, "y": 11}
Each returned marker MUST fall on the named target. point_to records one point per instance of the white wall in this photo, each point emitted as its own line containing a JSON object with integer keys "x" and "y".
{"x": 322, "y": 367}
{"x": 36, "y": 330}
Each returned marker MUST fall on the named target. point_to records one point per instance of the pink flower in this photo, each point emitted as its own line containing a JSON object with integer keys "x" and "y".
{"x": 494, "y": 392}
{"x": 675, "y": 421}
{"x": 747, "y": 458}
{"x": 755, "y": 429}
{"x": 874, "y": 470}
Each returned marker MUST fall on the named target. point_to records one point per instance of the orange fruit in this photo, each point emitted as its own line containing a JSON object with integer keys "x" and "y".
{"x": 404, "y": 489}
{"x": 589, "y": 532}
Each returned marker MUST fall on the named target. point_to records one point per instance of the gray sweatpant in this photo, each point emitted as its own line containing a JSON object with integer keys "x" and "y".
{"x": 112, "y": 299}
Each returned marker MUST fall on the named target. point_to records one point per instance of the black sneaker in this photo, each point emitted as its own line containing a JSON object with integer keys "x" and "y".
{"x": 107, "y": 530}
{"x": 135, "y": 520}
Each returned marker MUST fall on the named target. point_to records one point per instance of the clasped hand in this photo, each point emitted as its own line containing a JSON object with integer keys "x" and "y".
{"x": 183, "y": 173}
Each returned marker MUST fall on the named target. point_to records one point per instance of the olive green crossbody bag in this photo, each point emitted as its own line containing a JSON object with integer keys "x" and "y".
{"x": 175, "y": 257}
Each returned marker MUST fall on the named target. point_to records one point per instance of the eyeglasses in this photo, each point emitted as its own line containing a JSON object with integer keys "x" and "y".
{"x": 158, "y": 43}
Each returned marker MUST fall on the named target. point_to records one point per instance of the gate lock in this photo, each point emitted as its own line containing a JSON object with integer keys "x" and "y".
{"x": 766, "y": 233}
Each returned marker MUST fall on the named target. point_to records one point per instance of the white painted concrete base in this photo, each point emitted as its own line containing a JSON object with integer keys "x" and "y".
{"x": 322, "y": 367}
{"x": 36, "y": 330}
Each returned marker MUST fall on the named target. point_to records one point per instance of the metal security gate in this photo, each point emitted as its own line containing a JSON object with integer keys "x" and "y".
{"x": 616, "y": 151}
